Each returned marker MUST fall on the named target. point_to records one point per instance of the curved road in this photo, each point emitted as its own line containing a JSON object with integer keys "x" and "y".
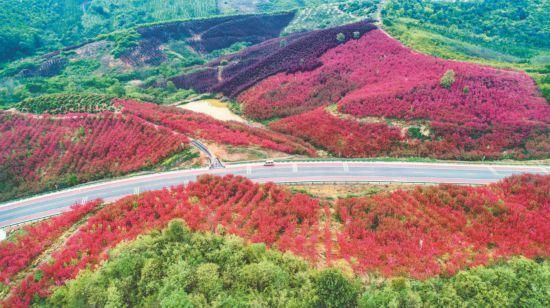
{"x": 54, "y": 203}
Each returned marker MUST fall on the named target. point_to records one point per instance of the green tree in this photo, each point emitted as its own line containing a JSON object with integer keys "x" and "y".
{"x": 334, "y": 290}
{"x": 448, "y": 79}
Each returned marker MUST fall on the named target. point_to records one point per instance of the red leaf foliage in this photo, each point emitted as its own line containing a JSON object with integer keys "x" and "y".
{"x": 296, "y": 52}
{"x": 16, "y": 255}
{"x": 420, "y": 233}
{"x": 434, "y": 230}
{"x": 201, "y": 126}
{"x": 486, "y": 112}
{"x": 342, "y": 137}
{"x": 44, "y": 152}
{"x": 260, "y": 213}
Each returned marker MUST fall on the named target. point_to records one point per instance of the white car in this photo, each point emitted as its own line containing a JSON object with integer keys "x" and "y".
{"x": 269, "y": 163}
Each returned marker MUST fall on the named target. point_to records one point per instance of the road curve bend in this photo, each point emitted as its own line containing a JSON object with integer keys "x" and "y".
{"x": 19, "y": 211}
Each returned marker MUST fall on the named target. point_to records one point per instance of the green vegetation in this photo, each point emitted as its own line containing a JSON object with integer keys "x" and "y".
{"x": 504, "y": 34}
{"x": 518, "y": 29}
{"x": 104, "y": 16}
{"x": 65, "y": 103}
{"x": 92, "y": 69}
{"x": 123, "y": 39}
{"x": 29, "y": 26}
{"x": 517, "y": 283}
{"x": 176, "y": 268}
{"x": 331, "y": 15}
{"x": 448, "y": 79}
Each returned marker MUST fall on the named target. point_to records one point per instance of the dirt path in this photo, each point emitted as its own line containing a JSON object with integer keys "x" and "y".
{"x": 214, "y": 108}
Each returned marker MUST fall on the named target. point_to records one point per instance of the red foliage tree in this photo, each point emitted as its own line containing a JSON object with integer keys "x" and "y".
{"x": 204, "y": 127}
{"x": 45, "y": 152}
{"x": 16, "y": 255}
{"x": 433, "y": 230}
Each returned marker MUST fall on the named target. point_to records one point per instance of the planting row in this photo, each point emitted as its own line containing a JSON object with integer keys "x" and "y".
{"x": 204, "y": 127}
{"x": 66, "y": 103}
{"x": 204, "y": 35}
{"x": 18, "y": 253}
{"x": 266, "y": 214}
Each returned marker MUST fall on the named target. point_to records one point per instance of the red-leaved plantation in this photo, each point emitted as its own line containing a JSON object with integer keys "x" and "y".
{"x": 444, "y": 109}
{"x": 47, "y": 152}
{"x": 419, "y": 233}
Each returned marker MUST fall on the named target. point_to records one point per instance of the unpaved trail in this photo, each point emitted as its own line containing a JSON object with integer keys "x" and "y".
{"x": 214, "y": 108}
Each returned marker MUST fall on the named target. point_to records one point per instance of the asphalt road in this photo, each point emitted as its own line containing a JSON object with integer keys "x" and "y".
{"x": 54, "y": 203}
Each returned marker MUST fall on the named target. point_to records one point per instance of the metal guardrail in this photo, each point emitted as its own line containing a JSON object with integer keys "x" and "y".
{"x": 15, "y": 226}
{"x": 215, "y": 163}
{"x": 525, "y": 163}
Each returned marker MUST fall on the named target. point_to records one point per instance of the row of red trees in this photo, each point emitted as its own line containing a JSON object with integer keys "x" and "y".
{"x": 297, "y": 52}
{"x": 17, "y": 254}
{"x": 440, "y": 230}
{"x": 484, "y": 112}
{"x": 39, "y": 153}
{"x": 342, "y": 137}
{"x": 260, "y": 213}
{"x": 203, "y": 127}
{"x": 419, "y": 233}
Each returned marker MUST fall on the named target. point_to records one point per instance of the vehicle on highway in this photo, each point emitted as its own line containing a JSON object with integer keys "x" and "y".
{"x": 269, "y": 163}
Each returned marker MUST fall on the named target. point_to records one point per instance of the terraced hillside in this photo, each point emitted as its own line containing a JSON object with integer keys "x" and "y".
{"x": 134, "y": 53}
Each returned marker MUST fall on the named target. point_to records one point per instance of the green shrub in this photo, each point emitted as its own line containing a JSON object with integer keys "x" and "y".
{"x": 448, "y": 79}
{"x": 340, "y": 37}
{"x": 334, "y": 290}
{"x": 66, "y": 103}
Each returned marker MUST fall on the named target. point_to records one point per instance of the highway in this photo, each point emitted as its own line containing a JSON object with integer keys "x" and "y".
{"x": 54, "y": 203}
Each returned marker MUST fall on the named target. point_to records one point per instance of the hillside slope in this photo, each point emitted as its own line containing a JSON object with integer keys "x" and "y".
{"x": 423, "y": 233}
{"x": 392, "y": 101}
{"x": 511, "y": 34}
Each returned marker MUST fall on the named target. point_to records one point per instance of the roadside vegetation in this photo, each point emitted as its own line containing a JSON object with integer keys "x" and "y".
{"x": 230, "y": 241}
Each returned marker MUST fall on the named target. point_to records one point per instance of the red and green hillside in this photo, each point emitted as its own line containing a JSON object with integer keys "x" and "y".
{"x": 41, "y": 152}
{"x": 418, "y": 233}
{"x": 416, "y": 104}
{"x": 47, "y": 152}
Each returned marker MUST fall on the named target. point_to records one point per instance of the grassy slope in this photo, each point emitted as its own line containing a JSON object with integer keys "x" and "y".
{"x": 30, "y": 26}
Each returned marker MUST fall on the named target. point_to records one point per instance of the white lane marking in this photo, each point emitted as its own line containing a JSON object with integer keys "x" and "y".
{"x": 84, "y": 200}
{"x": 294, "y": 168}
{"x": 493, "y": 170}
{"x": 136, "y": 190}
{"x": 543, "y": 169}
{"x": 346, "y": 167}
{"x": 248, "y": 170}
